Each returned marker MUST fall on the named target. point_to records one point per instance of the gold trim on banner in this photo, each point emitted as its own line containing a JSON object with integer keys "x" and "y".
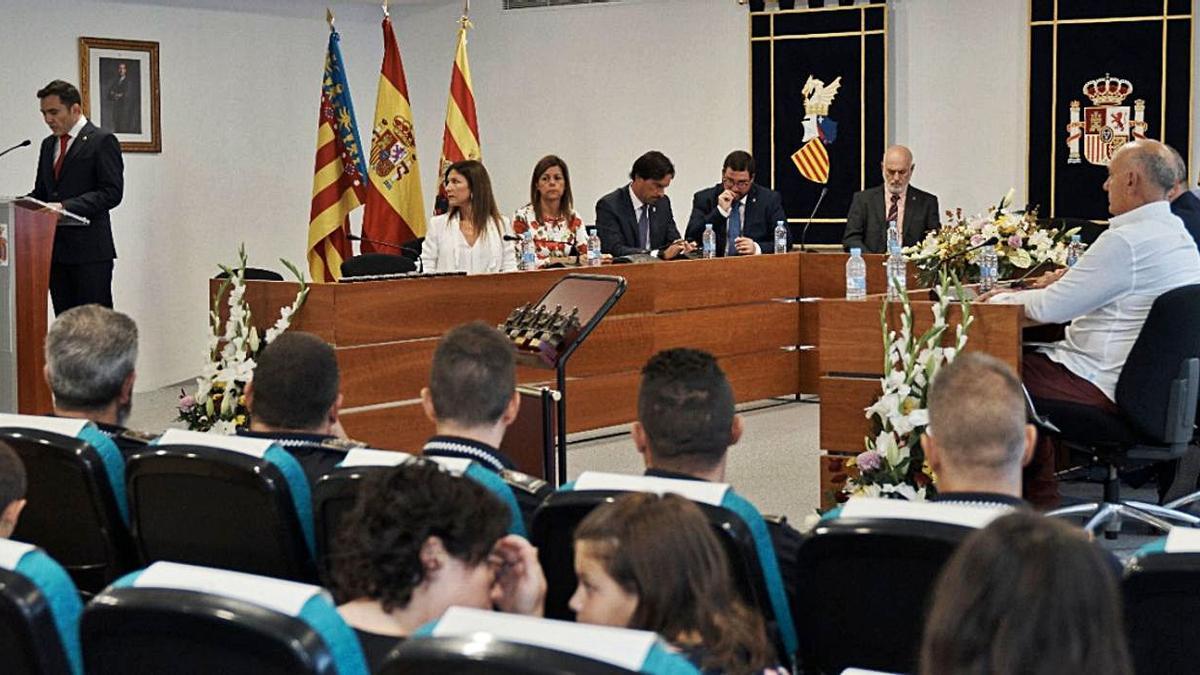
{"x": 1162, "y": 125}
{"x": 1029, "y": 106}
{"x": 1115, "y": 19}
{"x": 1053, "y": 110}
{"x": 1192, "y": 103}
{"x": 771, "y": 72}
{"x": 818, "y": 36}
{"x": 750, "y": 86}
{"x": 862, "y": 99}
{"x": 819, "y": 221}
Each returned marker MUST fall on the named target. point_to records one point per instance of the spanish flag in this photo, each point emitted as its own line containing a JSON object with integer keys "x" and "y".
{"x": 395, "y": 210}
{"x": 461, "y": 138}
{"x": 338, "y": 185}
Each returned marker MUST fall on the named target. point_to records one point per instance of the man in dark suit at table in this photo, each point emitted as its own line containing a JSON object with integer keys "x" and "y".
{"x": 915, "y": 211}
{"x": 636, "y": 218}
{"x": 80, "y": 169}
{"x": 743, "y": 214}
{"x": 1184, "y": 203}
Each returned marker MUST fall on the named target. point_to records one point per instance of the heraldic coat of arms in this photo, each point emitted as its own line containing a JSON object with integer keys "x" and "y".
{"x": 1106, "y": 124}
{"x": 392, "y": 149}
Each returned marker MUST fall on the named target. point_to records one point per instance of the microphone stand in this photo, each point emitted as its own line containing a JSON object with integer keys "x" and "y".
{"x": 804, "y": 232}
{"x": 355, "y": 237}
{"x": 22, "y": 144}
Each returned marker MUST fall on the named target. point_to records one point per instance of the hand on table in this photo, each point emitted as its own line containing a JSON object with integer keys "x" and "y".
{"x": 1048, "y": 278}
{"x": 745, "y": 246}
{"x": 679, "y": 247}
{"x": 520, "y": 586}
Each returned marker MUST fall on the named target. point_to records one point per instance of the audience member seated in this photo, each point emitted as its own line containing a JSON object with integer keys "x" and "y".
{"x": 737, "y": 207}
{"x": 558, "y": 232}
{"x": 1026, "y": 595}
{"x": 636, "y": 217}
{"x": 91, "y": 352}
{"x": 978, "y": 440}
{"x": 294, "y": 401}
{"x": 914, "y": 211}
{"x": 1184, "y": 203}
{"x": 652, "y": 562}
{"x": 1106, "y": 296}
{"x": 470, "y": 236}
{"x": 420, "y": 540}
{"x": 686, "y": 424}
{"x": 472, "y": 395}
{"x": 12, "y": 490}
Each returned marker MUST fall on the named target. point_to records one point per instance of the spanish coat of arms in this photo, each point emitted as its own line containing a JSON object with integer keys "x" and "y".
{"x": 393, "y": 149}
{"x": 1105, "y": 125}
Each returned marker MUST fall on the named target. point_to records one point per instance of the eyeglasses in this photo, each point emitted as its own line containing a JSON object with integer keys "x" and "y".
{"x": 729, "y": 182}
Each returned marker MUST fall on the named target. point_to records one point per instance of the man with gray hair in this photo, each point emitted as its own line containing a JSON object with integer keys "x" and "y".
{"x": 978, "y": 439}
{"x": 91, "y": 352}
{"x": 1106, "y": 296}
{"x": 1184, "y": 204}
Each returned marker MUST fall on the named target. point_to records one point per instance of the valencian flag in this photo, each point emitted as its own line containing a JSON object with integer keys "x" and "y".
{"x": 338, "y": 185}
{"x": 461, "y": 138}
{"x": 813, "y": 161}
{"x": 395, "y": 210}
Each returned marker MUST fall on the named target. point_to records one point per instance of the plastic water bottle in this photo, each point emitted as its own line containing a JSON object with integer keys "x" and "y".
{"x": 893, "y": 235}
{"x": 781, "y": 237}
{"x": 897, "y": 271}
{"x": 593, "y": 248}
{"x": 856, "y": 276}
{"x": 1074, "y": 250}
{"x": 528, "y": 252}
{"x": 989, "y": 269}
{"x": 709, "y": 241}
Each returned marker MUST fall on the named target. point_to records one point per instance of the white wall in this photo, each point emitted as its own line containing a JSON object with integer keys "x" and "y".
{"x": 597, "y": 85}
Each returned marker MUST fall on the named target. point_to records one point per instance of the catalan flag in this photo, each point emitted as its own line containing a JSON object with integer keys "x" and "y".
{"x": 813, "y": 161}
{"x": 395, "y": 211}
{"x": 338, "y": 185}
{"x": 460, "y": 140}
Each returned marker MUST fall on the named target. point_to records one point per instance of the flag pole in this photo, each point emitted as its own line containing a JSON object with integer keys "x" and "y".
{"x": 329, "y": 17}
{"x": 385, "y": 9}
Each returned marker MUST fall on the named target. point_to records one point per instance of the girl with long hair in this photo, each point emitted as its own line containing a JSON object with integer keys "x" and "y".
{"x": 469, "y": 237}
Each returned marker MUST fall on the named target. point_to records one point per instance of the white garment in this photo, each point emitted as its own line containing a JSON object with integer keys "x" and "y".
{"x": 446, "y": 250}
{"x": 1108, "y": 293}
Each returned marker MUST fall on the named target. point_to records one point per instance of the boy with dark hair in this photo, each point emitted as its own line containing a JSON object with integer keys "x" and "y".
{"x": 12, "y": 490}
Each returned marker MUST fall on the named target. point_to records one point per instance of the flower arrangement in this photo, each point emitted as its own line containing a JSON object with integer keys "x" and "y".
{"x": 1021, "y": 244}
{"x": 893, "y": 465}
{"x": 218, "y": 403}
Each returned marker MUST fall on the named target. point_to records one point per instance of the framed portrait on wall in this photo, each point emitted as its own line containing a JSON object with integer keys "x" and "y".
{"x": 119, "y": 83}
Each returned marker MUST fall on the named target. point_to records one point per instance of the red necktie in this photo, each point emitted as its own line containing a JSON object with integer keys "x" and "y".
{"x": 62, "y": 153}
{"x": 894, "y": 211}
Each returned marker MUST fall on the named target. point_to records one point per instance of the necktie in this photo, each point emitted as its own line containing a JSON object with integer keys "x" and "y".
{"x": 892, "y": 217}
{"x": 735, "y": 229}
{"x": 62, "y": 153}
{"x": 644, "y": 228}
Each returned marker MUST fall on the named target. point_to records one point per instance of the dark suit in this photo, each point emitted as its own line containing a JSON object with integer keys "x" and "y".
{"x": 1187, "y": 207}
{"x": 91, "y": 183}
{"x": 866, "y": 224}
{"x": 617, "y": 224}
{"x": 764, "y": 208}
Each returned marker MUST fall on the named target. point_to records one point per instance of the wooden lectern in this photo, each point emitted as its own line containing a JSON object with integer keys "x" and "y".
{"x": 26, "y": 244}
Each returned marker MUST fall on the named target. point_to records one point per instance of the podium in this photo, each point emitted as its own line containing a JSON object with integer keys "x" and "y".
{"x": 26, "y": 244}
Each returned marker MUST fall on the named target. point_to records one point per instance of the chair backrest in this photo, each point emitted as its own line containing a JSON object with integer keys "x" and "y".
{"x": 39, "y": 613}
{"x": 1148, "y": 390}
{"x": 370, "y": 264}
{"x": 1162, "y": 603}
{"x": 876, "y": 558}
{"x": 335, "y": 493}
{"x": 474, "y": 641}
{"x": 203, "y": 620}
{"x": 76, "y": 506}
{"x": 254, "y": 274}
{"x": 223, "y": 501}
{"x": 411, "y": 249}
{"x": 736, "y": 522}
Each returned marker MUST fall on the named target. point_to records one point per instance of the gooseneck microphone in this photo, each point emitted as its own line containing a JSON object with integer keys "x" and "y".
{"x": 355, "y": 237}
{"x": 22, "y": 144}
{"x": 804, "y": 232}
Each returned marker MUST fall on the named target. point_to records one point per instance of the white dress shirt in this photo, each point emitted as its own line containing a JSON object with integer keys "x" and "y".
{"x": 741, "y": 219}
{"x": 446, "y": 249}
{"x": 73, "y": 134}
{"x": 1108, "y": 293}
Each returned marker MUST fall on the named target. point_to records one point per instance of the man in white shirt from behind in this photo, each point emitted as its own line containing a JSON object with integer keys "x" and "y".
{"x": 1106, "y": 296}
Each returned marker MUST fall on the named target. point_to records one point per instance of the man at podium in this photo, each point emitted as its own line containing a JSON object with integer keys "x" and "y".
{"x": 80, "y": 170}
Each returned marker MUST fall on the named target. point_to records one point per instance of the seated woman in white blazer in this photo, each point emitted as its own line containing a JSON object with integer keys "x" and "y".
{"x": 470, "y": 236}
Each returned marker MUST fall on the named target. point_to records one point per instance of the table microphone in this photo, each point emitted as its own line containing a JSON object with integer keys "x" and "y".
{"x": 18, "y": 145}
{"x": 804, "y": 232}
{"x": 355, "y": 237}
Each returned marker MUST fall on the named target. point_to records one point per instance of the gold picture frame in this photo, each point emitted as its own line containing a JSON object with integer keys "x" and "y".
{"x": 118, "y": 80}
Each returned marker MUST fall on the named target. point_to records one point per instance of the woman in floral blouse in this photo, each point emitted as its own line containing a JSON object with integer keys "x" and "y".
{"x": 549, "y": 214}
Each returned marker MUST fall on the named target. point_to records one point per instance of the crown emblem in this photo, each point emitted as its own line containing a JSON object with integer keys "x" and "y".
{"x": 1107, "y": 90}
{"x": 818, "y": 96}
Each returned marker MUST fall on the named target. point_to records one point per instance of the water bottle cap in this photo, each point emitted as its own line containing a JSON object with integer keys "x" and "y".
{"x": 708, "y": 226}
{"x": 856, "y": 251}
{"x": 1075, "y": 238}
{"x": 895, "y": 250}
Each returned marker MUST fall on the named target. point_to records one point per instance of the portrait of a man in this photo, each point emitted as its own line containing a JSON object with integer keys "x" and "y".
{"x": 121, "y": 101}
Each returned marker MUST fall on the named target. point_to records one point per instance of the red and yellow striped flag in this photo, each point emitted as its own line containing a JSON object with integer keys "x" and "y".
{"x": 460, "y": 140}
{"x": 338, "y": 176}
{"x": 813, "y": 161}
{"x": 395, "y": 210}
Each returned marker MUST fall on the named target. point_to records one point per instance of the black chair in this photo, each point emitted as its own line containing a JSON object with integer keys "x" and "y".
{"x": 197, "y": 626}
{"x": 373, "y": 264}
{"x": 1162, "y": 611}
{"x": 209, "y": 506}
{"x": 411, "y": 249}
{"x": 255, "y": 274}
{"x": 864, "y": 583}
{"x": 1157, "y": 395}
{"x": 553, "y": 533}
{"x": 469, "y": 656}
{"x": 74, "y": 510}
{"x": 39, "y": 614}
